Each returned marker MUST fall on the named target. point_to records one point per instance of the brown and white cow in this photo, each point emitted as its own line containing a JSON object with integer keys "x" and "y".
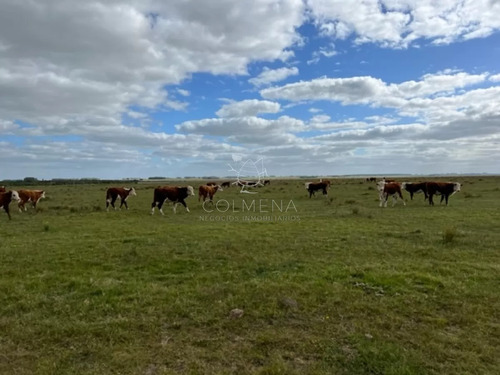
{"x": 206, "y": 191}
{"x": 114, "y": 192}
{"x": 392, "y": 189}
{"x": 32, "y": 196}
{"x": 445, "y": 189}
{"x": 415, "y": 188}
{"x": 313, "y": 187}
{"x": 6, "y": 198}
{"x": 173, "y": 194}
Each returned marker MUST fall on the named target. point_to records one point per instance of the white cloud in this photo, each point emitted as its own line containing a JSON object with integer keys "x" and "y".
{"x": 399, "y": 23}
{"x": 251, "y": 107}
{"x": 370, "y": 90}
{"x": 246, "y": 130}
{"x": 494, "y": 78}
{"x": 268, "y": 76}
{"x": 84, "y": 60}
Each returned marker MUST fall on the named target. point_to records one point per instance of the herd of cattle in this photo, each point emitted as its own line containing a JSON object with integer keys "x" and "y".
{"x": 177, "y": 195}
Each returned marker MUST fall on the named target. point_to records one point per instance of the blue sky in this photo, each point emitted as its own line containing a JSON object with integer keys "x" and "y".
{"x": 315, "y": 87}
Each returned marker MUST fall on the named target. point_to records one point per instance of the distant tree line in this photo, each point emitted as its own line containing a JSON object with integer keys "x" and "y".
{"x": 27, "y": 181}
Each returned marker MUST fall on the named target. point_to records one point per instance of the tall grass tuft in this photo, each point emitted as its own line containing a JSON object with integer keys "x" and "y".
{"x": 449, "y": 235}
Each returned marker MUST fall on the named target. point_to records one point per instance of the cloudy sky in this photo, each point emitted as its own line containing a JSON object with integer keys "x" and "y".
{"x": 129, "y": 88}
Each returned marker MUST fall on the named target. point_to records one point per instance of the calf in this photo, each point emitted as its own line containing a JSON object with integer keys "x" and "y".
{"x": 32, "y": 196}
{"x": 205, "y": 191}
{"x": 6, "y": 198}
{"x": 389, "y": 189}
{"x": 445, "y": 189}
{"x": 312, "y": 187}
{"x": 114, "y": 192}
{"x": 415, "y": 187}
{"x": 174, "y": 194}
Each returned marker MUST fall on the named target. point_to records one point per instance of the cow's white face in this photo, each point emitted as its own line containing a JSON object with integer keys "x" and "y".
{"x": 15, "y": 196}
{"x": 132, "y": 191}
{"x": 190, "y": 190}
{"x": 456, "y": 187}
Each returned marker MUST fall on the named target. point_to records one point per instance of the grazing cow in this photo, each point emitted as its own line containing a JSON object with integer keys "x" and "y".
{"x": 226, "y": 184}
{"x": 113, "y": 193}
{"x": 415, "y": 187}
{"x": 32, "y": 196}
{"x": 312, "y": 187}
{"x": 445, "y": 189}
{"x": 389, "y": 189}
{"x": 267, "y": 182}
{"x": 174, "y": 194}
{"x": 206, "y": 191}
{"x": 371, "y": 179}
{"x": 6, "y": 198}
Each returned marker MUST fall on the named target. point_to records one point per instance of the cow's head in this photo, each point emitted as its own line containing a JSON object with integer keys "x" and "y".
{"x": 218, "y": 187}
{"x": 131, "y": 191}
{"x": 456, "y": 187}
{"x": 190, "y": 190}
{"x": 15, "y": 196}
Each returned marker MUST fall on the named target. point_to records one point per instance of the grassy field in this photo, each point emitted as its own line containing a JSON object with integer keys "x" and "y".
{"x": 331, "y": 285}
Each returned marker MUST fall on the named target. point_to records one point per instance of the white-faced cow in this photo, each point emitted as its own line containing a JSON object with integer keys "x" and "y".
{"x": 32, "y": 196}
{"x": 206, "y": 191}
{"x": 313, "y": 187}
{"x": 415, "y": 187}
{"x": 6, "y": 198}
{"x": 445, "y": 189}
{"x": 392, "y": 189}
{"x": 113, "y": 193}
{"x": 173, "y": 194}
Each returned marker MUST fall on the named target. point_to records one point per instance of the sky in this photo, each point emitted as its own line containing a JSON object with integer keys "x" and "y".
{"x": 135, "y": 89}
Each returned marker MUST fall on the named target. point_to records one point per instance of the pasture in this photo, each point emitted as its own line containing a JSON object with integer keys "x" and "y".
{"x": 327, "y": 285}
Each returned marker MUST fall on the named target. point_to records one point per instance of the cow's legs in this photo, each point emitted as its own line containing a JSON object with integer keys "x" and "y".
{"x": 181, "y": 202}
{"x": 401, "y": 196}
{"x": 431, "y": 200}
{"x": 123, "y": 202}
{"x": 6, "y": 208}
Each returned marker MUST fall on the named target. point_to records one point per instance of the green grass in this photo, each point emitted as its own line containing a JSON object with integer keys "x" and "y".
{"x": 339, "y": 286}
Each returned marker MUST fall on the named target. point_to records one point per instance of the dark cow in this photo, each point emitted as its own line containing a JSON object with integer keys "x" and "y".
{"x": 445, "y": 189}
{"x": 415, "y": 187}
{"x": 313, "y": 187}
{"x": 389, "y": 189}
{"x": 226, "y": 184}
{"x": 113, "y": 193}
{"x": 267, "y": 182}
{"x": 371, "y": 179}
{"x": 173, "y": 194}
{"x": 6, "y": 198}
{"x": 205, "y": 191}
{"x": 32, "y": 196}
